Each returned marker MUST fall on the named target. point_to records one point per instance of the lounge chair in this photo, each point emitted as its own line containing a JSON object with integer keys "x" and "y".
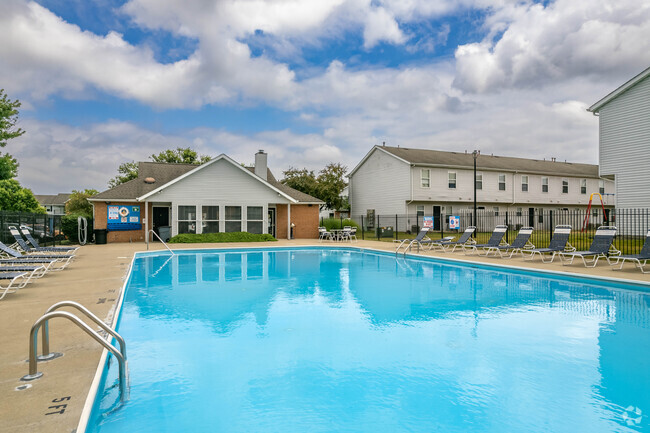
{"x": 599, "y": 248}
{"x": 410, "y": 242}
{"x": 34, "y": 271}
{"x": 559, "y": 242}
{"x": 34, "y": 243}
{"x": 494, "y": 241}
{"x": 22, "y": 245}
{"x": 62, "y": 260}
{"x": 643, "y": 256}
{"x": 522, "y": 241}
{"x": 16, "y": 280}
{"x": 446, "y": 243}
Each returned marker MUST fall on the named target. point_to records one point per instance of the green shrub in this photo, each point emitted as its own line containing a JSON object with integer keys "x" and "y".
{"x": 190, "y": 238}
{"x": 70, "y": 227}
{"x": 335, "y": 223}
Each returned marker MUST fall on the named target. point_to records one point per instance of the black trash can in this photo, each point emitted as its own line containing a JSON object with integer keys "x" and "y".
{"x": 100, "y": 236}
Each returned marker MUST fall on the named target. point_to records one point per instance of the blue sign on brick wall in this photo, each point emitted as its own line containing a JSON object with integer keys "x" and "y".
{"x": 123, "y": 217}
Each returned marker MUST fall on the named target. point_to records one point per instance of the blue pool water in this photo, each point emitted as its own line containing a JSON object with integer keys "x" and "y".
{"x": 340, "y": 340}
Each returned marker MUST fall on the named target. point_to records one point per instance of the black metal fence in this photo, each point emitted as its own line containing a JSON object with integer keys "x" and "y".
{"x": 632, "y": 225}
{"x": 47, "y": 229}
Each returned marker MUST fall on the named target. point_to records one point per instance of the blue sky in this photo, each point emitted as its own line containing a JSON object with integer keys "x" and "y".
{"x": 309, "y": 81}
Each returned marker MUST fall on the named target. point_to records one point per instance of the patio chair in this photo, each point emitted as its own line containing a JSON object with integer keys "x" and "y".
{"x": 410, "y": 242}
{"x": 324, "y": 234}
{"x": 559, "y": 242}
{"x": 17, "y": 281}
{"x": 22, "y": 245}
{"x": 353, "y": 234}
{"x": 599, "y": 248}
{"x": 494, "y": 241}
{"x": 446, "y": 243}
{"x": 644, "y": 255}
{"x": 346, "y": 234}
{"x": 34, "y": 243}
{"x": 35, "y": 271}
{"x": 522, "y": 241}
{"x": 62, "y": 260}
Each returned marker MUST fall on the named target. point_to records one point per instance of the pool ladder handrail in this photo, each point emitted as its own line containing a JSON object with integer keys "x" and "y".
{"x": 160, "y": 239}
{"x": 119, "y": 355}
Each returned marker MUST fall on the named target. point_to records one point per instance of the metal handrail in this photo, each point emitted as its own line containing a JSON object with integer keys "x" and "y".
{"x": 33, "y": 343}
{"x": 163, "y": 242}
{"x": 46, "y": 337}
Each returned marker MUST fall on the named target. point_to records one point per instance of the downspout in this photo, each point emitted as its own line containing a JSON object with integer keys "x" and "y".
{"x": 411, "y": 179}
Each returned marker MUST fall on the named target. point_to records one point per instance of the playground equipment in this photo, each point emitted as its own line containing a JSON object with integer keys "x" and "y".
{"x": 588, "y": 215}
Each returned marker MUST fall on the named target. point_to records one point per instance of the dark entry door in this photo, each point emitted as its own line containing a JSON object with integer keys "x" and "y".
{"x": 531, "y": 217}
{"x": 271, "y": 229}
{"x": 160, "y": 218}
{"x": 436, "y": 217}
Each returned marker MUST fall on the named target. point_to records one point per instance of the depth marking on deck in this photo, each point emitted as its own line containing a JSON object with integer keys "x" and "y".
{"x": 58, "y": 406}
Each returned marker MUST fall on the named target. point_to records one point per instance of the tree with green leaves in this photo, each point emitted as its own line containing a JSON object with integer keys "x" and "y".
{"x": 16, "y": 198}
{"x": 302, "y": 180}
{"x": 8, "y": 167}
{"x": 8, "y": 119}
{"x": 78, "y": 203}
{"x": 181, "y": 155}
{"x": 327, "y": 186}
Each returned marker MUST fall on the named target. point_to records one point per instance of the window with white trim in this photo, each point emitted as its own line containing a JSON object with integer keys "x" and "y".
{"x": 601, "y": 186}
{"x": 496, "y": 210}
{"x": 254, "y": 219}
{"x": 502, "y": 182}
{"x": 452, "y": 179}
{"x": 565, "y": 186}
{"x": 479, "y": 180}
{"x": 186, "y": 219}
{"x": 233, "y": 218}
{"x": 419, "y": 210}
{"x": 519, "y": 211}
{"x": 544, "y": 184}
{"x": 425, "y": 178}
{"x": 583, "y": 186}
{"x": 210, "y": 219}
{"x": 524, "y": 183}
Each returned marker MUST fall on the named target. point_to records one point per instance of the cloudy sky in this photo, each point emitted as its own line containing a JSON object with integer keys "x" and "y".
{"x": 309, "y": 81}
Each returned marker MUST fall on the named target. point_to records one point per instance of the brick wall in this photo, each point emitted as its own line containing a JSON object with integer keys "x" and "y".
{"x": 120, "y": 236}
{"x": 305, "y": 218}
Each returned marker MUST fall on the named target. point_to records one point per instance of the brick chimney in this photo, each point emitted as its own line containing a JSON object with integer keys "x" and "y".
{"x": 260, "y": 164}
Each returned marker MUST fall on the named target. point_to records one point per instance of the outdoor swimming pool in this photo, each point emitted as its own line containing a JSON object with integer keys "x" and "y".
{"x": 346, "y": 340}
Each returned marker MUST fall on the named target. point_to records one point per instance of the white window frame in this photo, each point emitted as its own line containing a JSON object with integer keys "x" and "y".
{"x": 601, "y": 186}
{"x": 419, "y": 208}
{"x": 204, "y": 220}
{"x": 479, "y": 181}
{"x": 189, "y": 220}
{"x": 524, "y": 183}
{"x": 496, "y": 210}
{"x": 449, "y": 180}
{"x": 502, "y": 182}
{"x": 583, "y": 186}
{"x": 226, "y": 220}
{"x": 544, "y": 184}
{"x": 425, "y": 181}
{"x": 565, "y": 184}
{"x": 261, "y": 221}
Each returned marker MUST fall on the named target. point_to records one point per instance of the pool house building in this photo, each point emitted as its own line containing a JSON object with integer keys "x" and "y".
{"x": 411, "y": 183}
{"x": 218, "y": 196}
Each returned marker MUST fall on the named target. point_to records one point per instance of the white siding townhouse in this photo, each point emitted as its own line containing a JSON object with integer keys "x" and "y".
{"x": 53, "y": 204}
{"x": 624, "y": 141}
{"x": 403, "y": 181}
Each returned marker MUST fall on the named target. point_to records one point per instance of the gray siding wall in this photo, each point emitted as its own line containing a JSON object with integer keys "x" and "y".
{"x": 625, "y": 145}
{"x": 382, "y": 183}
{"x": 219, "y": 184}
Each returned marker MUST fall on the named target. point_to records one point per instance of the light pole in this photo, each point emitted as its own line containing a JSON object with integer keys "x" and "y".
{"x": 475, "y": 155}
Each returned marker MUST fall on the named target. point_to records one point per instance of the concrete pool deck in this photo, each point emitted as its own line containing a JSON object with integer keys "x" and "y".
{"x": 54, "y": 402}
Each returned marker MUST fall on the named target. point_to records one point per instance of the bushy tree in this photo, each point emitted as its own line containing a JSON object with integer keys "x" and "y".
{"x": 8, "y": 119}
{"x": 78, "y": 203}
{"x": 181, "y": 155}
{"x": 302, "y": 180}
{"x": 16, "y": 198}
{"x": 8, "y": 167}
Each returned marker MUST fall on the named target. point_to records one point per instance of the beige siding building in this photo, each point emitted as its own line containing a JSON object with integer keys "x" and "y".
{"x": 403, "y": 181}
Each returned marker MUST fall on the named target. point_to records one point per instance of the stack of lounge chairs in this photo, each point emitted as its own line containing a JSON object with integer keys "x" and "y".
{"x": 30, "y": 261}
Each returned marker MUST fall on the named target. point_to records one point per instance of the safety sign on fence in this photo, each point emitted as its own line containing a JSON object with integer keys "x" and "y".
{"x": 427, "y": 222}
{"x": 454, "y": 222}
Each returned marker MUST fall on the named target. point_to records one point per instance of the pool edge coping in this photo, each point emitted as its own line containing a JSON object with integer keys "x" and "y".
{"x": 92, "y": 393}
